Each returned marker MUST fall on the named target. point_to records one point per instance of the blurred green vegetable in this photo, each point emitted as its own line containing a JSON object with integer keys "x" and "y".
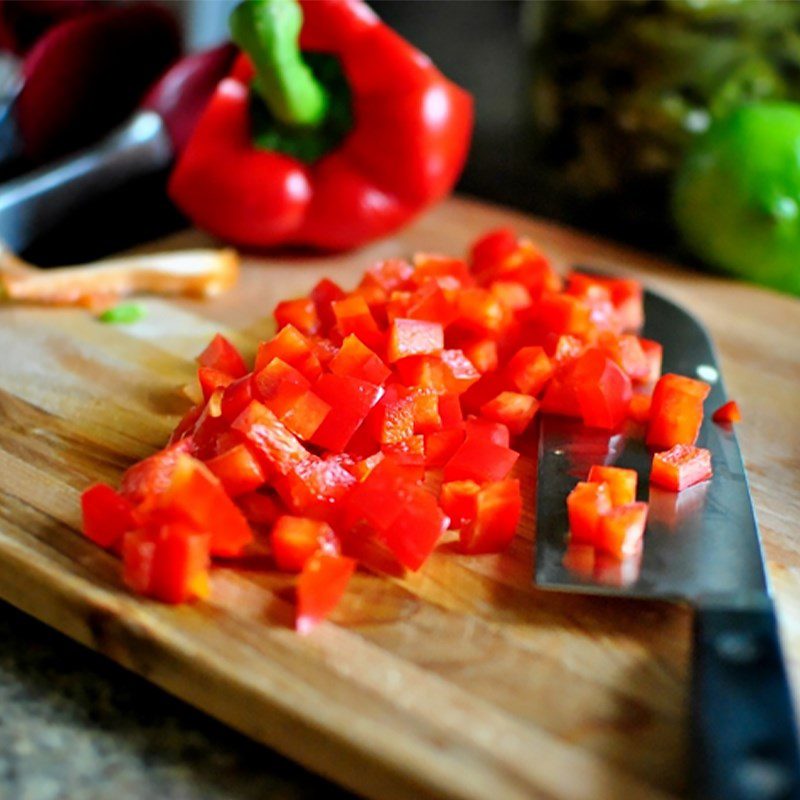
{"x": 737, "y": 195}
{"x": 123, "y": 314}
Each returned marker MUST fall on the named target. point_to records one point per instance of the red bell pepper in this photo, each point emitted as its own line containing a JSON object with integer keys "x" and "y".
{"x": 513, "y": 409}
{"x": 320, "y": 587}
{"x": 498, "y": 507}
{"x": 621, "y": 483}
{"x": 222, "y": 356}
{"x": 727, "y": 413}
{"x": 586, "y": 504}
{"x": 331, "y": 139}
{"x": 457, "y": 499}
{"x": 676, "y": 412}
{"x": 621, "y": 529}
{"x": 107, "y": 515}
{"x": 295, "y": 540}
{"x": 680, "y": 467}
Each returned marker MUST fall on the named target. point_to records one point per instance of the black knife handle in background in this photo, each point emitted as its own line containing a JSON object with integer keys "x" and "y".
{"x": 744, "y": 732}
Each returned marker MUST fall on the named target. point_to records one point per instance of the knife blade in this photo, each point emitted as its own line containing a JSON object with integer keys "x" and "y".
{"x": 701, "y": 546}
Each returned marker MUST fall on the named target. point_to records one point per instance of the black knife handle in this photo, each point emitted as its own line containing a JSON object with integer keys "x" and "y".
{"x": 744, "y": 734}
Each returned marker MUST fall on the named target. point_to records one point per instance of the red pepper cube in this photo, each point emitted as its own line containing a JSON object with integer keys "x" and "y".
{"x": 621, "y": 530}
{"x": 315, "y": 487}
{"x": 107, "y": 515}
{"x": 144, "y": 482}
{"x": 350, "y": 400}
{"x": 450, "y": 411}
{"x": 676, "y": 413}
{"x": 425, "y": 407}
{"x": 430, "y": 303}
{"x": 621, "y": 483}
{"x": 278, "y": 449}
{"x": 362, "y": 468}
{"x": 411, "y": 447}
{"x": 483, "y": 355}
{"x": 221, "y": 355}
{"x": 196, "y": 496}
{"x": 727, "y": 414}
{"x": 301, "y": 313}
{"x": 397, "y": 305}
{"x": 654, "y": 353}
{"x": 170, "y": 564}
{"x": 444, "y": 271}
{"x": 236, "y": 397}
{"x": 567, "y": 350}
{"x": 416, "y": 530}
{"x": 490, "y": 430}
{"x": 358, "y": 361}
{"x": 459, "y": 372}
{"x": 602, "y": 389}
{"x": 529, "y": 370}
{"x": 304, "y": 418}
{"x": 482, "y": 391}
{"x": 626, "y": 351}
{"x": 320, "y": 587}
{"x": 516, "y": 411}
{"x": 353, "y": 315}
{"x": 480, "y": 311}
{"x": 279, "y": 386}
{"x": 391, "y": 274}
{"x": 414, "y": 337}
{"x": 498, "y": 507}
{"x": 639, "y": 407}
{"x": 628, "y": 299}
{"x": 563, "y": 313}
{"x": 457, "y": 499}
{"x": 680, "y": 467}
{"x": 238, "y": 470}
{"x": 492, "y": 248}
{"x": 425, "y": 372}
{"x": 295, "y": 540}
{"x": 259, "y": 508}
{"x": 586, "y": 503}
{"x": 480, "y": 460}
{"x": 512, "y": 294}
{"x": 210, "y": 380}
{"x": 324, "y": 294}
{"x": 293, "y": 348}
{"x": 378, "y": 499}
{"x": 440, "y": 446}
{"x": 560, "y": 398}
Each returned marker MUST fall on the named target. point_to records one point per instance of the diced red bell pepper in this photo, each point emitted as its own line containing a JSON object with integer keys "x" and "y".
{"x": 279, "y": 386}
{"x": 444, "y": 271}
{"x": 728, "y": 413}
{"x": 677, "y": 411}
{"x": 561, "y": 398}
{"x": 224, "y": 357}
{"x": 315, "y": 487}
{"x": 354, "y": 316}
{"x": 625, "y": 350}
{"x": 278, "y": 449}
{"x": 459, "y": 371}
{"x": 586, "y": 504}
{"x": 107, "y": 515}
{"x": 492, "y": 248}
{"x": 306, "y": 416}
{"x": 450, "y": 411}
{"x": 529, "y": 370}
{"x": 512, "y": 294}
{"x": 292, "y": 347}
{"x": 562, "y": 313}
{"x": 457, "y": 499}
{"x": 602, "y": 389}
{"x": 621, "y": 483}
{"x": 621, "y": 530}
{"x": 480, "y": 311}
{"x": 211, "y": 379}
{"x": 567, "y": 349}
{"x": 390, "y": 274}
{"x": 324, "y": 294}
{"x": 483, "y": 354}
{"x": 498, "y": 506}
{"x": 320, "y": 587}
{"x": 236, "y": 397}
{"x": 440, "y": 446}
{"x": 480, "y": 460}
{"x": 425, "y": 406}
{"x": 513, "y": 409}
{"x": 295, "y": 540}
{"x": 197, "y": 497}
{"x": 350, "y": 400}
{"x": 301, "y": 313}
{"x": 654, "y": 352}
{"x": 487, "y": 429}
{"x": 147, "y": 480}
{"x": 411, "y": 446}
{"x": 259, "y": 508}
{"x": 169, "y": 564}
{"x": 414, "y": 337}
{"x": 639, "y": 407}
{"x": 430, "y": 303}
{"x": 363, "y": 467}
{"x": 680, "y": 467}
{"x": 358, "y": 361}
{"x": 238, "y": 470}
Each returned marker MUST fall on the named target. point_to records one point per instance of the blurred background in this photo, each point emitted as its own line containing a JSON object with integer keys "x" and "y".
{"x": 584, "y": 113}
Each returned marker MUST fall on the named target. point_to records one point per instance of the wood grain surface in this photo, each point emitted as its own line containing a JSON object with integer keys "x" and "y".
{"x": 462, "y": 681}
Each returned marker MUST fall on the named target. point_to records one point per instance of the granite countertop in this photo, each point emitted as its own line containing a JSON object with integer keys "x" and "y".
{"x": 75, "y": 725}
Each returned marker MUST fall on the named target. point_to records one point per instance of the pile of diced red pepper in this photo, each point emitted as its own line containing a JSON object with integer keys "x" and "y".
{"x": 329, "y": 448}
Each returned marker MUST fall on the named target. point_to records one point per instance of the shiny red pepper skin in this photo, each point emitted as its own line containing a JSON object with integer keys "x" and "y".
{"x": 407, "y": 147}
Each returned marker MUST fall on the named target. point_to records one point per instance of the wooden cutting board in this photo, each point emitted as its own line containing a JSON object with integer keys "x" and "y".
{"x": 462, "y": 681}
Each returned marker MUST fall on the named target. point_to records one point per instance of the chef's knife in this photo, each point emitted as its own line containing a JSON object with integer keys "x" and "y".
{"x": 701, "y": 546}
{"x": 147, "y": 143}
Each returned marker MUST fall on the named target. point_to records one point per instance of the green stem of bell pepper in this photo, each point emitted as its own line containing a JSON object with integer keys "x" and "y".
{"x": 268, "y": 31}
